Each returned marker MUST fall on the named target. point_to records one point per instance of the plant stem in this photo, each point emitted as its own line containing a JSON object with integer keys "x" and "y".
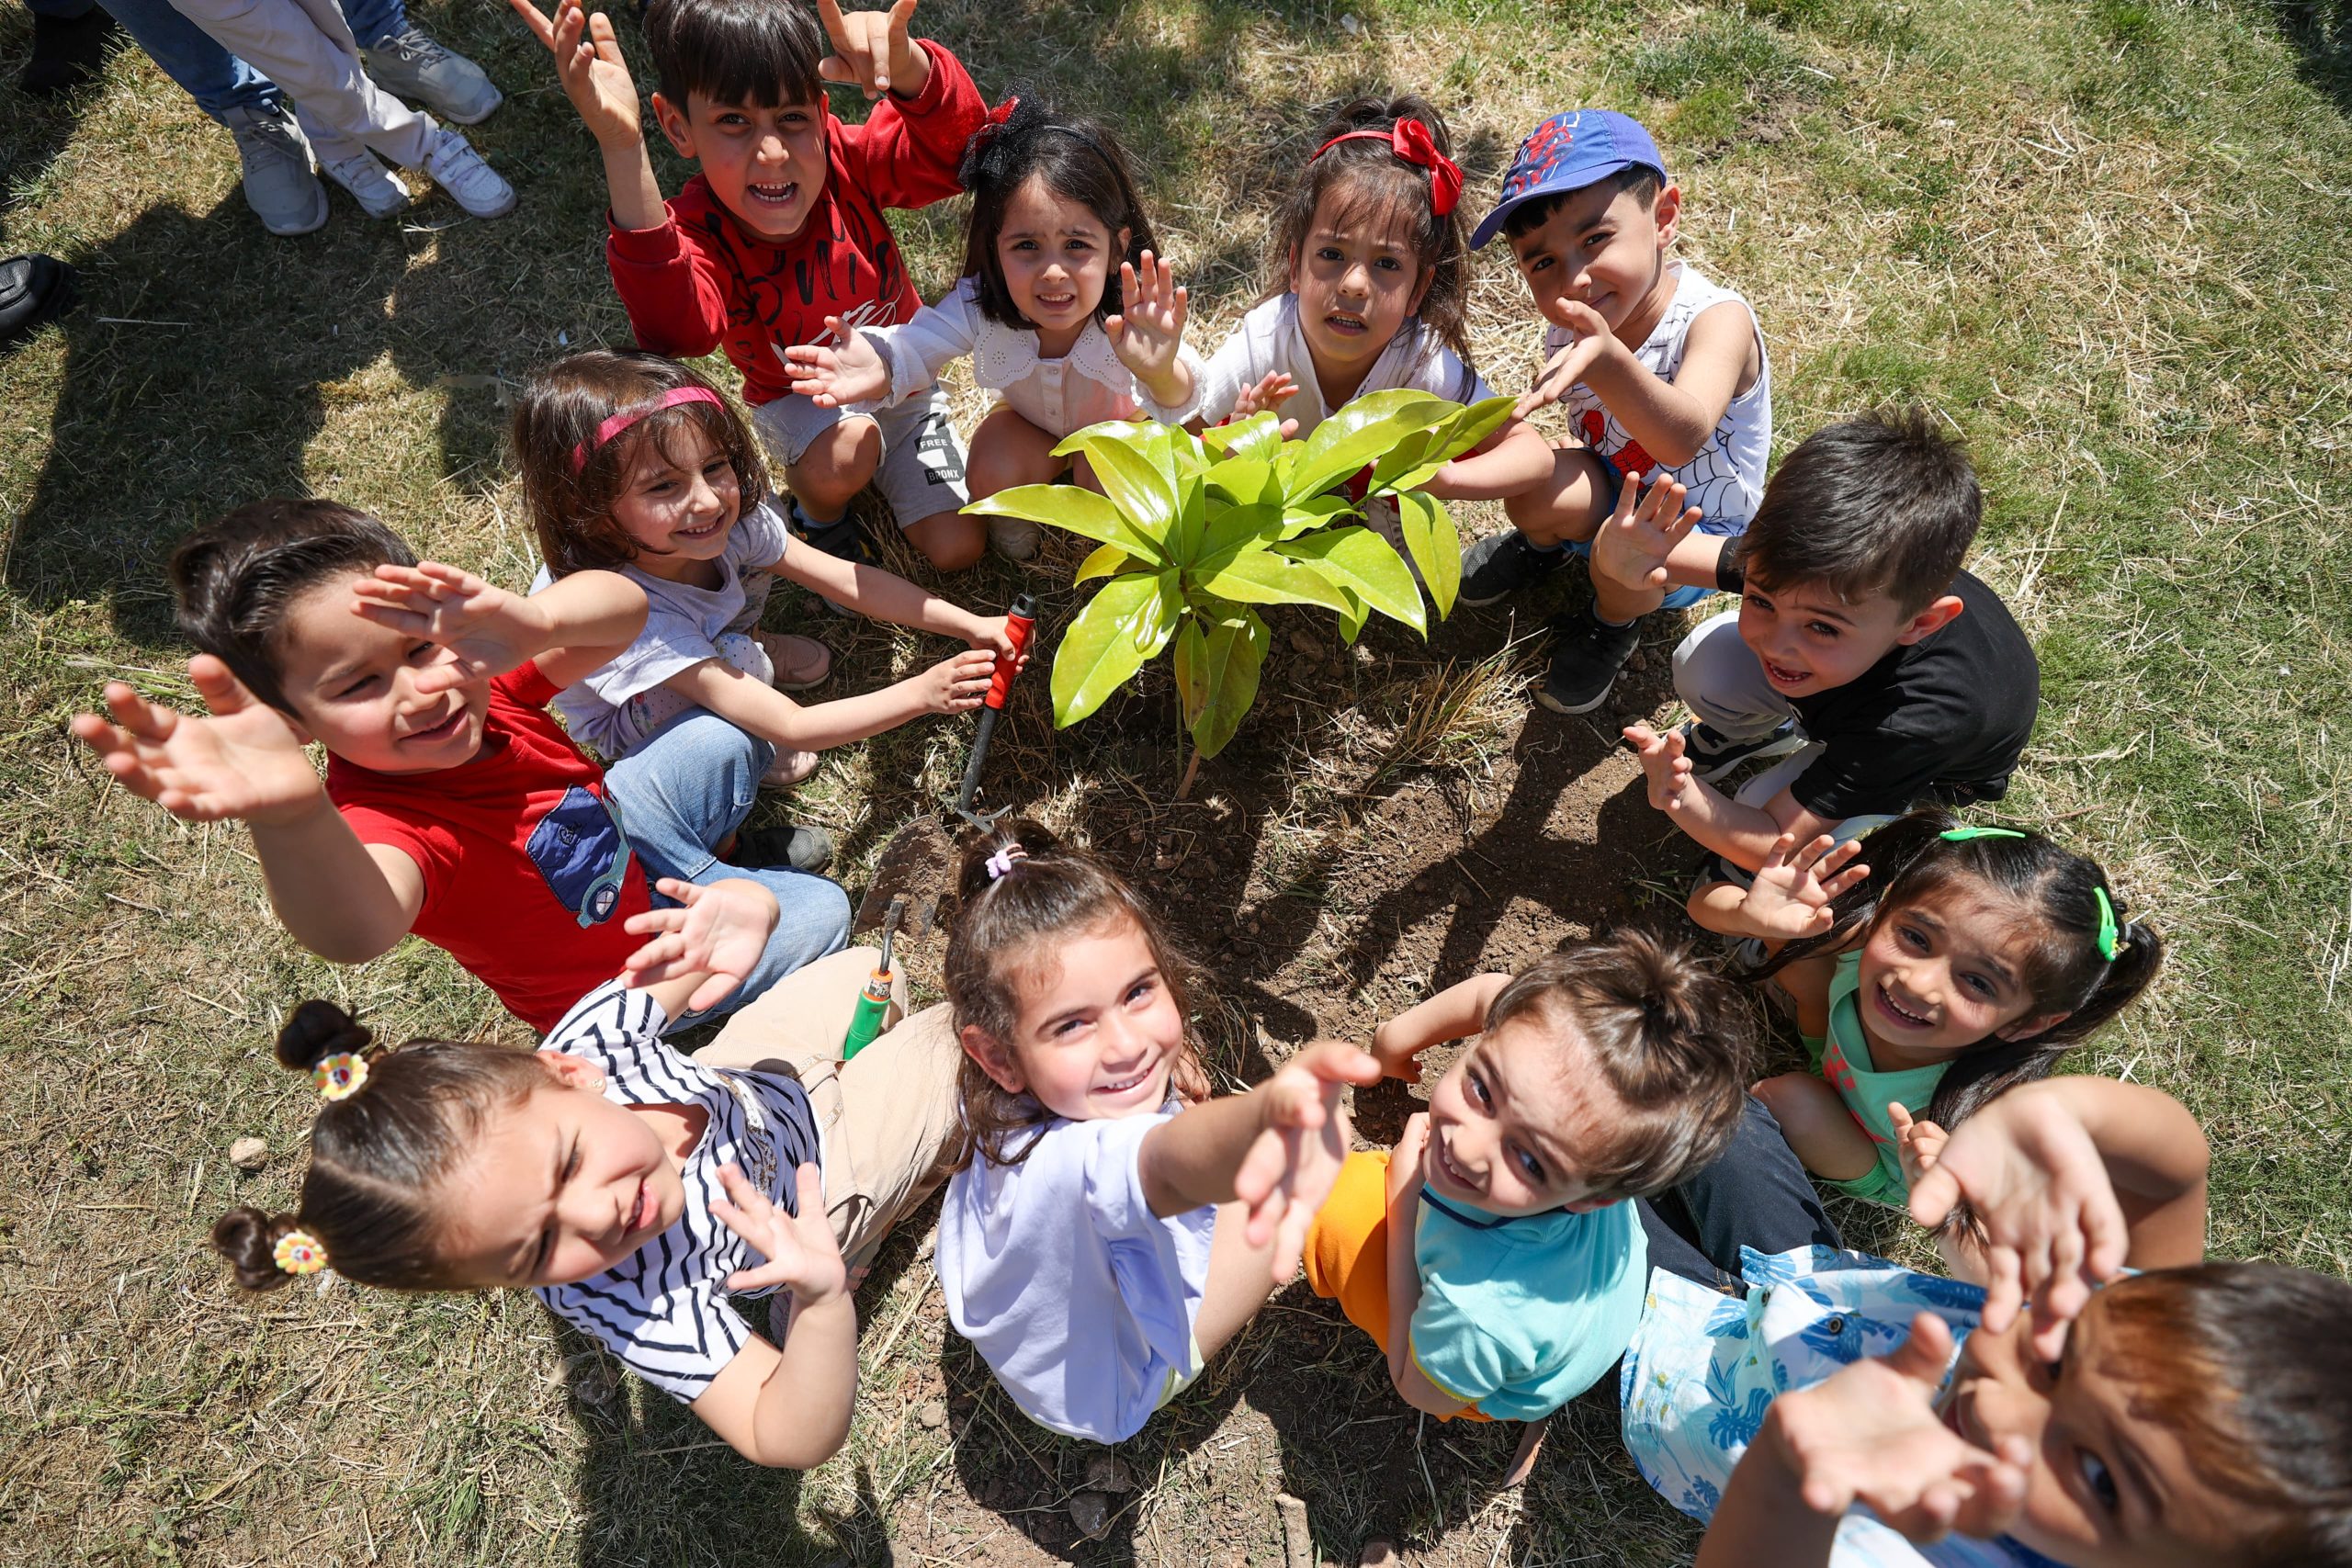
{"x": 1192, "y": 767}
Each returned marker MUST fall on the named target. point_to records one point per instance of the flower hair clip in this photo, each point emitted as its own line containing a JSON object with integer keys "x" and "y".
{"x": 299, "y": 1252}
{"x": 999, "y": 865}
{"x": 339, "y": 1077}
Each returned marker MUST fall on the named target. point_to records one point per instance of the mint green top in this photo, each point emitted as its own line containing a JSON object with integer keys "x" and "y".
{"x": 1844, "y": 1059}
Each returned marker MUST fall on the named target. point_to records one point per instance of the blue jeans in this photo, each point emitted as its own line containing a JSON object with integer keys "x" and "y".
{"x": 689, "y": 786}
{"x": 216, "y": 79}
{"x": 1757, "y": 1194}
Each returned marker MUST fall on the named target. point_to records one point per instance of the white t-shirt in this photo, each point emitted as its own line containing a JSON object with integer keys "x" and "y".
{"x": 663, "y": 1310}
{"x": 1269, "y": 339}
{"x": 1084, "y": 386}
{"x": 1726, "y": 477}
{"x": 1074, "y": 1291}
{"x": 683, "y": 625}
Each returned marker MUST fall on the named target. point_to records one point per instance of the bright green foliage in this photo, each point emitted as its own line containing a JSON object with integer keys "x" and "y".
{"x": 1194, "y": 530}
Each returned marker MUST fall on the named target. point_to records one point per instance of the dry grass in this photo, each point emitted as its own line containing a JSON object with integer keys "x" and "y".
{"x": 2102, "y": 237}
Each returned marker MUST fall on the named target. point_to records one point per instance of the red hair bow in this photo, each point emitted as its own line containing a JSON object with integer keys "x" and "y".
{"x": 1411, "y": 140}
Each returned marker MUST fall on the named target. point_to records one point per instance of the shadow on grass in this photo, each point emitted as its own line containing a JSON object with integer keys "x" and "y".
{"x": 2321, "y": 33}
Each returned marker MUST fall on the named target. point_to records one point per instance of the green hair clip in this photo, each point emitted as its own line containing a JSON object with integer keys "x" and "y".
{"x": 1962, "y": 835}
{"x": 2108, "y": 944}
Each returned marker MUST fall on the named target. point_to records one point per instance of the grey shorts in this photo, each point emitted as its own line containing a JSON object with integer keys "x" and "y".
{"x": 921, "y": 471}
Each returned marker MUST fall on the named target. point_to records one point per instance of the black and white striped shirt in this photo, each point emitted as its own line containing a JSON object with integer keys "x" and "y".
{"x": 664, "y": 1310}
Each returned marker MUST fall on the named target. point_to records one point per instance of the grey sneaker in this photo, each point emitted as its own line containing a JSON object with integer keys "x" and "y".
{"x": 378, "y": 191}
{"x": 282, "y": 185}
{"x": 413, "y": 66}
{"x": 1015, "y": 539}
{"x": 1713, "y": 753}
{"x": 474, "y": 185}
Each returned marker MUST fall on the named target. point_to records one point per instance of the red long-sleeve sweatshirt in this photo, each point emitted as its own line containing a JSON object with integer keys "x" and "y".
{"x": 702, "y": 280}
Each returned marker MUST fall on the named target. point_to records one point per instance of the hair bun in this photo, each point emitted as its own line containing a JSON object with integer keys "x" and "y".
{"x": 248, "y": 1238}
{"x": 316, "y": 1030}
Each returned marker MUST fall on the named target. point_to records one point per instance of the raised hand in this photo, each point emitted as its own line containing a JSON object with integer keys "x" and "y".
{"x": 489, "y": 629}
{"x": 1271, "y": 390}
{"x": 1664, "y": 767}
{"x": 872, "y": 49}
{"x": 853, "y": 373}
{"x": 1870, "y": 1433}
{"x": 1290, "y": 1167}
{"x": 958, "y": 683}
{"x": 1567, "y": 365}
{"x": 1790, "y": 898}
{"x": 588, "y": 60}
{"x": 1918, "y": 1143}
{"x": 1631, "y": 547}
{"x": 802, "y": 1254}
{"x": 719, "y": 931}
{"x": 245, "y": 761}
{"x": 1150, "y": 327}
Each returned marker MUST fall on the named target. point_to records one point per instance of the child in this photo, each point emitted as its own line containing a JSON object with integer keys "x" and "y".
{"x": 454, "y": 806}
{"x": 634, "y": 463}
{"x": 593, "y": 1170}
{"x": 1661, "y": 370}
{"x": 1858, "y": 642}
{"x": 1053, "y": 207}
{"x": 1959, "y": 962}
{"x": 2193, "y": 1413}
{"x": 784, "y": 226}
{"x": 1101, "y": 1240}
{"x": 1370, "y": 276}
{"x": 1607, "y": 1071}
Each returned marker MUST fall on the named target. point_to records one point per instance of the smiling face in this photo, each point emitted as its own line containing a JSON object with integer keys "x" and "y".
{"x": 1057, "y": 259}
{"x": 2106, "y": 1487}
{"x": 1099, "y": 1031}
{"x": 1505, "y": 1121}
{"x": 1358, "y": 276}
{"x": 680, "y": 503}
{"x": 766, "y": 166}
{"x": 1605, "y": 248}
{"x": 1810, "y": 640}
{"x": 352, "y": 684}
{"x": 1946, "y": 971}
{"x": 561, "y": 1186}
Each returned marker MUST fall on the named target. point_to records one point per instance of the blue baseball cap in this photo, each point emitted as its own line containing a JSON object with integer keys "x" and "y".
{"x": 1567, "y": 152}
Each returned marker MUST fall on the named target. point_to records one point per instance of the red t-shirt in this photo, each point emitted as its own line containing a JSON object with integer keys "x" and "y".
{"x": 701, "y": 280}
{"x": 527, "y": 874}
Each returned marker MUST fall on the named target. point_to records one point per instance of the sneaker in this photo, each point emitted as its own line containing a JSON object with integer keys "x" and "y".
{"x": 474, "y": 185}
{"x": 281, "y": 183}
{"x": 842, "y": 537}
{"x": 1585, "y": 662}
{"x": 376, "y": 189}
{"x": 1499, "y": 565}
{"x": 1015, "y": 539}
{"x": 788, "y": 769}
{"x": 786, "y": 843}
{"x": 67, "y": 51}
{"x": 1713, "y": 753}
{"x": 413, "y": 66}
{"x": 800, "y": 662}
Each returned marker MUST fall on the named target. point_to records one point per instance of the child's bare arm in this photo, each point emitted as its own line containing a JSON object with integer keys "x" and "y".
{"x": 345, "y": 901}
{"x": 1743, "y": 835}
{"x": 597, "y": 79}
{"x": 952, "y": 686}
{"x": 1671, "y": 420}
{"x": 1514, "y": 459}
{"x": 575, "y": 624}
{"x": 887, "y": 596}
{"x": 1820, "y": 1131}
{"x": 1454, "y": 1013}
{"x": 1413, "y": 1385}
{"x": 788, "y": 1408}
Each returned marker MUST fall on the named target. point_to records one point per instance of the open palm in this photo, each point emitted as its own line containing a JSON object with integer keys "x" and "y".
{"x": 589, "y": 61}
{"x": 242, "y": 759}
{"x": 802, "y": 1254}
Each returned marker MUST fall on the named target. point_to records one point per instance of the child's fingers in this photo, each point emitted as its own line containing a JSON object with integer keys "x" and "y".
{"x": 222, "y": 693}
{"x": 541, "y": 28}
{"x": 713, "y": 991}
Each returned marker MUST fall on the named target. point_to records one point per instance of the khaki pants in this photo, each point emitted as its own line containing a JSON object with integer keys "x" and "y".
{"x": 885, "y": 1117}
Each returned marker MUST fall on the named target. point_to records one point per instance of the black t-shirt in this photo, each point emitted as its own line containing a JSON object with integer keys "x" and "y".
{"x": 1945, "y": 717}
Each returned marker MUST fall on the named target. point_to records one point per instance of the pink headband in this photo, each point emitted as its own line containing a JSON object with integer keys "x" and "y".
{"x": 627, "y": 417}
{"x": 1410, "y": 141}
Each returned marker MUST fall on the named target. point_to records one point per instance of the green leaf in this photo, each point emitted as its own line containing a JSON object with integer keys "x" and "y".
{"x": 1125, "y": 467}
{"x": 1361, "y": 434}
{"x": 1234, "y": 530}
{"x": 1364, "y": 564}
{"x": 1458, "y": 434}
{"x": 1257, "y": 436}
{"x": 1257, "y": 576}
{"x": 1436, "y": 544}
{"x": 1351, "y": 620}
{"x": 1155, "y": 622}
{"x": 1106, "y": 561}
{"x": 1076, "y": 510}
{"x": 1098, "y": 654}
{"x": 1315, "y": 511}
{"x": 1223, "y": 668}
{"x": 1242, "y": 482}
{"x": 1192, "y": 520}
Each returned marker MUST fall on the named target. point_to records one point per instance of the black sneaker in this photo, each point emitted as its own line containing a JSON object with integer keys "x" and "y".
{"x": 1499, "y": 565}
{"x": 1585, "y": 662}
{"x": 841, "y": 538}
{"x": 786, "y": 843}
{"x": 1713, "y": 753}
{"x": 66, "y": 52}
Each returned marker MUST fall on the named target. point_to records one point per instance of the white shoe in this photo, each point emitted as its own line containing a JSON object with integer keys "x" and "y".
{"x": 378, "y": 191}
{"x": 280, "y": 184}
{"x": 474, "y": 185}
{"x": 412, "y": 66}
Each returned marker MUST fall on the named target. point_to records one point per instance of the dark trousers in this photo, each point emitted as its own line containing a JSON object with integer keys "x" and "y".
{"x": 1755, "y": 1195}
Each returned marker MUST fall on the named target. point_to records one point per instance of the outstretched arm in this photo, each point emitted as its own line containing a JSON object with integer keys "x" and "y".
{"x": 955, "y": 684}
{"x": 787, "y": 1407}
{"x": 596, "y": 77}
{"x": 1454, "y": 1013}
{"x": 1671, "y": 420}
{"x": 572, "y": 626}
{"x": 1514, "y": 459}
{"x": 1413, "y": 1385}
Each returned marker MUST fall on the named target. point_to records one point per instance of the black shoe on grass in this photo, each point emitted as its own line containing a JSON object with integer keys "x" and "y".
{"x": 1585, "y": 662}
{"x": 1499, "y": 565}
{"x": 786, "y": 843}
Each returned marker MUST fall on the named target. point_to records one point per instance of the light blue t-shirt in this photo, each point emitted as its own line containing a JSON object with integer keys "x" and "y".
{"x": 1518, "y": 1316}
{"x": 1077, "y": 1296}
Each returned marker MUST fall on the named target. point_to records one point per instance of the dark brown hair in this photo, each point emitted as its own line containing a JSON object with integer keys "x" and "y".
{"x": 1369, "y": 181}
{"x": 1883, "y": 504}
{"x": 736, "y": 52}
{"x": 235, "y": 578}
{"x": 380, "y": 1156}
{"x": 1674, "y": 1041}
{"x": 1640, "y": 178}
{"x": 1078, "y": 161}
{"x": 2064, "y": 971}
{"x": 2248, "y": 1365}
{"x": 1004, "y": 924}
{"x": 558, "y": 413}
